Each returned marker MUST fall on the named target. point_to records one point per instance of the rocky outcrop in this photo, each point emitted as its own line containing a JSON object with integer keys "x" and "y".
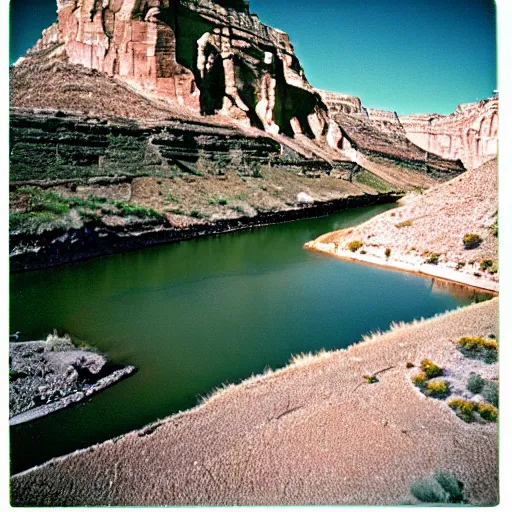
{"x": 469, "y": 134}
{"x": 46, "y": 376}
{"x": 209, "y": 57}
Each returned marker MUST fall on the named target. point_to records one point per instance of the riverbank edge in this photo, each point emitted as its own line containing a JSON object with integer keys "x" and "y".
{"x": 423, "y": 269}
{"x": 52, "y": 249}
{"x": 115, "y": 374}
{"x": 299, "y": 363}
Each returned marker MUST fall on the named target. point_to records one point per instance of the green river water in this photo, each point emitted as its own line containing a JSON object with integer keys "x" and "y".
{"x": 194, "y": 315}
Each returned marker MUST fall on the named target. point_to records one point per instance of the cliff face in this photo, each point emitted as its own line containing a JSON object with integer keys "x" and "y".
{"x": 210, "y": 57}
{"x": 470, "y": 133}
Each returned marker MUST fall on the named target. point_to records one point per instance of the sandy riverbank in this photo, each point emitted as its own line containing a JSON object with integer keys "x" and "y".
{"x": 312, "y": 433}
{"x": 425, "y": 235}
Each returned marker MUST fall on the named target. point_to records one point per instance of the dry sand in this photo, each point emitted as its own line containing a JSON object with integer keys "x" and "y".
{"x": 312, "y": 433}
{"x": 433, "y": 222}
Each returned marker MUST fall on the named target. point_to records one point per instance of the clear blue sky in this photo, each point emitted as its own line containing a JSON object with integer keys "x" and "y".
{"x": 405, "y": 55}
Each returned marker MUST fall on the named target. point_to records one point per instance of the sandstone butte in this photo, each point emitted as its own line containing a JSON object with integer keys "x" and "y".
{"x": 144, "y": 100}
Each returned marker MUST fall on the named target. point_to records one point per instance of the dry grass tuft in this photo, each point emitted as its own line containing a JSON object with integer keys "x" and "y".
{"x": 488, "y": 412}
{"x": 437, "y": 389}
{"x": 463, "y": 408}
{"x": 355, "y": 245}
{"x": 431, "y": 369}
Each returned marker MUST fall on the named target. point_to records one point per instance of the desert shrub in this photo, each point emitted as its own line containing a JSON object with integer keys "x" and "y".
{"x": 371, "y": 379}
{"x": 471, "y": 241}
{"x": 238, "y": 209}
{"x": 437, "y": 389}
{"x": 428, "y": 490}
{"x": 431, "y": 369}
{"x": 409, "y": 365}
{"x": 494, "y": 269}
{"x": 404, "y": 224}
{"x": 490, "y": 392}
{"x": 477, "y": 347}
{"x": 463, "y": 408}
{"x": 355, "y": 245}
{"x": 475, "y": 383}
{"x": 460, "y": 264}
{"x": 451, "y": 485}
{"x": 218, "y": 200}
{"x": 494, "y": 227}
{"x": 486, "y": 264}
{"x": 387, "y": 252}
{"x": 433, "y": 259}
{"x": 488, "y": 412}
{"x": 362, "y": 251}
{"x": 420, "y": 379}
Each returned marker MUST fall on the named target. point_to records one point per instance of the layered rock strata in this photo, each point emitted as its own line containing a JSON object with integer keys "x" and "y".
{"x": 208, "y": 57}
{"x": 469, "y": 134}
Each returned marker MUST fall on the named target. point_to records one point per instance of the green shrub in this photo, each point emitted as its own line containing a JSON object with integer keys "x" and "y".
{"x": 463, "y": 408}
{"x": 437, "y": 389}
{"x": 471, "y": 241}
{"x": 475, "y": 383}
{"x": 217, "y": 200}
{"x": 371, "y": 379}
{"x": 420, "y": 379}
{"x": 477, "y": 347}
{"x": 490, "y": 392}
{"x": 451, "y": 485}
{"x": 431, "y": 369}
{"x": 488, "y": 412}
{"x": 486, "y": 264}
{"x": 197, "y": 214}
{"x": 387, "y": 252}
{"x": 137, "y": 211}
{"x": 428, "y": 490}
{"x": 355, "y": 245}
{"x": 433, "y": 259}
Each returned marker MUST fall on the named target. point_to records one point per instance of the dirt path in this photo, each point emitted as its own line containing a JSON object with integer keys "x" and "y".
{"x": 312, "y": 433}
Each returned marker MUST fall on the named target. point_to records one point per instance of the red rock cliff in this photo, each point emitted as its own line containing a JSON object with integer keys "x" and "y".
{"x": 205, "y": 56}
{"x": 469, "y": 134}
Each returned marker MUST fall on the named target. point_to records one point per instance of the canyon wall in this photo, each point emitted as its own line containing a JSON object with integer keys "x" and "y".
{"x": 469, "y": 134}
{"x": 209, "y": 57}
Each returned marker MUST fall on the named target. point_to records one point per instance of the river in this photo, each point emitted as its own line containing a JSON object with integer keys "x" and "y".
{"x": 194, "y": 315}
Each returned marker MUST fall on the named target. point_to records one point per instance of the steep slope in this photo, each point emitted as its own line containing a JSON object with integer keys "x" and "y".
{"x": 427, "y": 234}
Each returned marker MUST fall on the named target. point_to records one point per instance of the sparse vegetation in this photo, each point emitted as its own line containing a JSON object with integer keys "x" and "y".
{"x": 355, "y": 245}
{"x": 443, "y": 488}
{"x": 471, "y": 241}
{"x": 475, "y": 383}
{"x": 420, "y": 379}
{"x": 463, "y": 408}
{"x": 367, "y": 178}
{"x": 196, "y": 214}
{"x": 437, "y": 389}
{"x": 387, "y": 252}
{"x": 494, "y": 227}
{"x": 431, "y": 370}
{"x": 409, "y": 365}
{"x": 490, "y": 392}
{"x": 238, "y": 209}
{"x": 371, "y": 379}
{"x": 460, "y": 264}
{"x": 486, "y": 264}
{"x": 479, "y": 348}
{"x": 433, "y": 259}
{"x": 404, "y": 224}
{"x": 218, "y": 200}
{"x": 488, "y": 412}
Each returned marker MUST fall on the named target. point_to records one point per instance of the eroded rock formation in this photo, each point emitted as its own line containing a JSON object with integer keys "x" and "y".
{"x": 469, "y": 134}
{"x": 210, "y": 57}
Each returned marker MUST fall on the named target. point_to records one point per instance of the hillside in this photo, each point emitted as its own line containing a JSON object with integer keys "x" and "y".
{"x": 427, "y": 233}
